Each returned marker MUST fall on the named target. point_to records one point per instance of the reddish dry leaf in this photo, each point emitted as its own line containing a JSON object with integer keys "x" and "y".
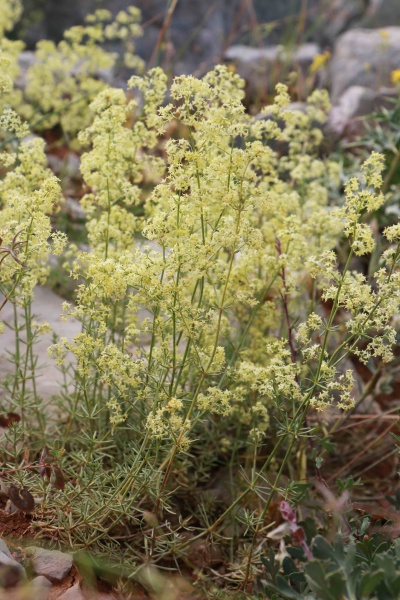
{"x": 22, "y": 499}
{"x": 59, "y": 481}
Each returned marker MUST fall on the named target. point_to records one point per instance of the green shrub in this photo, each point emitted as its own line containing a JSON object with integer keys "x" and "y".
{"x": 356, "y": 566}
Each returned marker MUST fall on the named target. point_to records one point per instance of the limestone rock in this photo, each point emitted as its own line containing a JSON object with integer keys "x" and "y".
{"x": 73, "y": 209}
{"x": 365, "y": 58}
{"x": 48, "y": 308}
{"x": 198, "y": 31}
{"x": 355, "y": 102}
{"x": 74, "y": 593}
{"x": 338, "y": 16}
{"x": 25, "y": 61}
{"x": 68, "y": 166}
{"x": 40, "y": 587}
{"x": 4, "y": 548}
{"x": 53, "y": 564}
{"x": 261, "y": 66}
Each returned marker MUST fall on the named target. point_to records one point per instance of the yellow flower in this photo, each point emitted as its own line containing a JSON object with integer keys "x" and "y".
{"x": 395, "y": 77}
{"x": 320, "y": 61}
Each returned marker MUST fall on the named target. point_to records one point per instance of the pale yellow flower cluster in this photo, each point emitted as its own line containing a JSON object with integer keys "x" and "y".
{"x": 64, "y": 78}
{"x": 370, "y": 307}
{"x": 12, "y": 123}
{"x": 231, "y": 229}
{"x": 10, "y": 13}
{"x": 186, "y": 304}
{"x": 116, "y": 416}
{"x": 29, "y": 193}
{"x": 333, "y": 384}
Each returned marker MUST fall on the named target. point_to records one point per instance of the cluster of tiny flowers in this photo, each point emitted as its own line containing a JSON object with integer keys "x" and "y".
{"x": 228, "y": 233}
{"x": 116, "y": 415}
{"x": 361, "y": 199}
{"x": 331, "y": 386}
{"x": 64, "y": 78}
{"x": 216, "y": 400}
{"x": 168, "y": 421}
{"x": 12, "y": 123}
{"x": 10, "y": 13}
{"x": 370, "y": 306}
{"x": 223, "y": 226}
{"x": 29, "y": 194}
{"x": 214, "y": 310}
{"x": 313, "y": 323}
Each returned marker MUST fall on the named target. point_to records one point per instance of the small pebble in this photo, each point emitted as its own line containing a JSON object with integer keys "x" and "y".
{"x": 40, "y": 587}
{"x": 53, "y": 564}
{"x": 74, "y": 593}
{"x": 4, "y": 548}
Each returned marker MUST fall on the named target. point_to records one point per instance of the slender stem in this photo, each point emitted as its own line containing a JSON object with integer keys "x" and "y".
{"x": 204, "y": 372}
{"x": 167, "y": 20}
{"x": 391, "y": 171}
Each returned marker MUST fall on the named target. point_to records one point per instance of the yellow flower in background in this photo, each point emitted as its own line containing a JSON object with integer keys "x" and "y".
{"x": 319, "y": 61}
{"x": 395, "y": 77}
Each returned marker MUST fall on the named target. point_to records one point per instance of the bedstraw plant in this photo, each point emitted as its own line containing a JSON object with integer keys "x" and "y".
{"x": 212, "y": 325}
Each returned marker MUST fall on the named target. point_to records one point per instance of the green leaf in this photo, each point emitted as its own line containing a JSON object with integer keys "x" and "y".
{"x": 289, "y": 566}
{"x": 369, "y": 582}
{"x": 322, "y": 549}
{"x": 296, "y": 553}
{"x": 287, "y": 590}
{"x": 270, "y": 564}
{"x": 321, "y": 583}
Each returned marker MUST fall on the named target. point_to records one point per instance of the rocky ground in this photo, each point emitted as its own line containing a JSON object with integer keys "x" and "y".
{"x": 34, "y": 573}
{"x": 200, "y": 32}
{"x": 47, "y": 308}
{"x": 360, "y": 73}
{"x": 360, "y": 40}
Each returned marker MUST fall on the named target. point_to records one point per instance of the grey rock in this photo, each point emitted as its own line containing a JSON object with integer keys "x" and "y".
{"x": 195, "y": 38}
{"x": 245, "y": 55}
{"x": 357, "y": 101}
{"x": 40, "y": 587}
{"x": 337, "y": 17}
{"x": 74, "y": 593}
{"x": 69, "y": 166}
{"x": 48, "y": 308}
{"x": 53, "y": 564}
{"x": 11, "y": 572}
{"x": 4, "y": 548}
{"x": 198, "y": 31}
{"x": 305, "y": 54}
{"x": 73, "y": 208}
{"x": 25, "y": 60}
{"x": 365, "y": 58}
{"x": 255, "y": 65}
{"x": 260, "y": 66}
